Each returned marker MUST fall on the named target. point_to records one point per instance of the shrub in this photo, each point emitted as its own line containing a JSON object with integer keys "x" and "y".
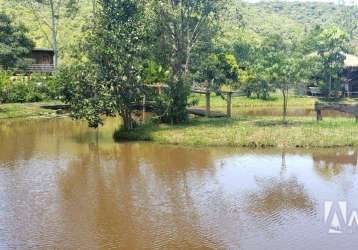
{"x": 4, "y": 82}
{"x": 32, "y": 88}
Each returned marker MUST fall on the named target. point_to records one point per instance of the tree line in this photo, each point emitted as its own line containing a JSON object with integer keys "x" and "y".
{"x": 129, "y": 44}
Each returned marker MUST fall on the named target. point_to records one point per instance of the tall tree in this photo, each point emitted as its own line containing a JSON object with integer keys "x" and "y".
{"x": 286, "y": 67}
{"x": 183, "y": 23}
{"x": 49, "y": 13}
{"x": 218, "y": 69}
{"x": 111, "y": 79}
{"x": 14, "y": 44}
{"x": 330, "y": 44}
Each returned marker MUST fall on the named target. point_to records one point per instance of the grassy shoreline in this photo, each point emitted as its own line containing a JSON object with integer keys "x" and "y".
{"x": 274, "y": 101}
{"x": 241, "y": 131}
{"x": 253, "y": 132}
{"x": 25, "y": 110}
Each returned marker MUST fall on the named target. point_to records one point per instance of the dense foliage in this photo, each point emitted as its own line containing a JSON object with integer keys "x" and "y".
{"x": 126, "y": 45}
{"x": 329, "y": 46}
{"x": 249, "y": 20}
{"x": 14, "y": 44}
{"x": 32, "y": 88}
{"x": 182, "y": 28}
{"x": 110, "y": 82}
{"x": 290, "y": 18}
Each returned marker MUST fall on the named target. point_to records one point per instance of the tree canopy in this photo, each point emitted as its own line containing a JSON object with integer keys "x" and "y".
{"x": 15, "y": 46}
{"x": 109, "y": 82}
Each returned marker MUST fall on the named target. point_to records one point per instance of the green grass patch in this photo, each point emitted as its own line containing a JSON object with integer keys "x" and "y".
{"x": 21, "y": 110}
{"x": 142, "y": 133}
{"x": 254, "y": 132}
{"x": 240, "y": 131}
{"x": 275, "y": 100}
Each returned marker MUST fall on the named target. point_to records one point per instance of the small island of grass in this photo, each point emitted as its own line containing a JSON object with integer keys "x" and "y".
{"x": 25, "y": 110}
{"x": 252, "y": 132}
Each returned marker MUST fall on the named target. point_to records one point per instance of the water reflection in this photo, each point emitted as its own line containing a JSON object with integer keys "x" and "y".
{"x": 64, "y": 186}
{"x": 331, "y": 163}
{"x": 131, "y": 190}
{"x": 275, "y": 194}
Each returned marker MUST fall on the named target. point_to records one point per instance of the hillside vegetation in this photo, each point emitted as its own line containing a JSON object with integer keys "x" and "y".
{"x": 255, "y": 20}
{"x": 70, "y": 26}
{"x": 297, "y": 18}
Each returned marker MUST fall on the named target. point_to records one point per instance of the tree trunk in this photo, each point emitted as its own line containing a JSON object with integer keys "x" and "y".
{"x": 187, "y": 61}
{"x": 285, "y": 99}
{"x": 330, "y": 85}
{"x": 54, "y": 17}
{"x": 178, "y": 84}
{"x": 128, "y": 122}
{"x": 94, "y": 7}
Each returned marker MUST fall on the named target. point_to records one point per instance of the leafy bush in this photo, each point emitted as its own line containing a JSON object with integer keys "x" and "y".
{"x": 32, "y": 88}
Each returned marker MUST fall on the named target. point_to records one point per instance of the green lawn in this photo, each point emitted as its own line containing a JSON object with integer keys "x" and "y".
{"x": 253, "y": 132}
{"x": 24, "y": 110}
{"x": 239, "y": 131}
{"x": 275, "y": 100}
{"x": 241, "y": 101}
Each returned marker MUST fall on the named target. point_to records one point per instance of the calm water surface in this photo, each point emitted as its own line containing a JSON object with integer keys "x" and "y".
{"x": 64, "y": 186}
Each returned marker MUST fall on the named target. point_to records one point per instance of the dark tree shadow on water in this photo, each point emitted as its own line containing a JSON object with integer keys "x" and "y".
{"x": 275, "y": 195}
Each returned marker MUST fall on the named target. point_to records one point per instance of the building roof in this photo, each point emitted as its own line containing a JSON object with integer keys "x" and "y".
{"x": 43, "y": 49}
{"x": 351, "y": 61}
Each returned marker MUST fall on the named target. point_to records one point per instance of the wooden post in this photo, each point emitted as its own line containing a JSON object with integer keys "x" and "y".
{"x": 319, "y": 115}
{"x": 207, "y": 103}
{"x": 318, "y": 111}
{"x": 160, "y": 90}
{"x": 229, "y": 94}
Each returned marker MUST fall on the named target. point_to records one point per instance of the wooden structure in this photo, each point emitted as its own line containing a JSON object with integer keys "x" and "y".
{"x": 147, "y": 105}
{"x": 208, "y": 112}
{"x": 43, "y": 61}
{"x": 202, "y": 112}
{"x": 345, "y": 108}
{"x": 56, "y": 106}
{"x": 351, "y": 75}
{"x": 158, "y": 88}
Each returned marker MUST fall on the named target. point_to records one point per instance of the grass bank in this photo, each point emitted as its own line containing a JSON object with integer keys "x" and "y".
{"x": 240, "y": 131}
{"x": 253, "y": 132}
{"x": 24, "y": 110}
{"x": 275, "y": 100}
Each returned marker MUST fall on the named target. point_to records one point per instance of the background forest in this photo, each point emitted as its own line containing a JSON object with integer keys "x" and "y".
{"x": 250, "y": 22}
{"x": 107, "y": 52}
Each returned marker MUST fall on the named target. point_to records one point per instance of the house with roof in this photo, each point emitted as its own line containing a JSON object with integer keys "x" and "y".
{"x": 42, "y": 61}
{"x": 351, "y": 75}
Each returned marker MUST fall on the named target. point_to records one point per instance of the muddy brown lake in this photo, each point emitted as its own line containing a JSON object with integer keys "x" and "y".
{"x": 65, "y": 186}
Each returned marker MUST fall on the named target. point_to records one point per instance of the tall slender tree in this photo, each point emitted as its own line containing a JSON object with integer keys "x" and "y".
{"x": 331, "y": 44}
{"x": 285, "y": 67}
{"x": 49, "y": 13}
{"x": 183, "y": 23}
